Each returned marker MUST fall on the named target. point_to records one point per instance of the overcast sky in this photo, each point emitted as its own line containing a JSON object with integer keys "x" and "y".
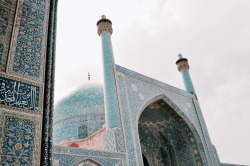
{"x": 148, "y": 35}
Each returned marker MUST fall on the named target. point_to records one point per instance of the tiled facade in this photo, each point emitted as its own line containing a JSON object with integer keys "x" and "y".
{"x": 72, "y": 156}
{"x": 28, "y": 45}
{"x": 20, "y": 138}
{"x": 23, "y": 46}
{"x": 136, "y": 92}
{"x": 27, "y": 50}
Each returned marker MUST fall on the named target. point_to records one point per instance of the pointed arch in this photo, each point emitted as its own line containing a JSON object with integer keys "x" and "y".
{"x": 190, "y": 131}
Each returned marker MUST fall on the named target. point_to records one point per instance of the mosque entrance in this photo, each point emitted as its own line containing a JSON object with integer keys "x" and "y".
{"x": 163, "y": 139}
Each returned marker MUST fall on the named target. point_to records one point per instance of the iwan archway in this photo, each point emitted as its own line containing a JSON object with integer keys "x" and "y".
{"x": 165, "y": 139}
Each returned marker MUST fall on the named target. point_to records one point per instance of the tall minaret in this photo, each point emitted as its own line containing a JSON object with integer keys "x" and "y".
{"x": 183, "y": 67}
{"x": 112, "y": 113}
{"x": 113, "y": 138}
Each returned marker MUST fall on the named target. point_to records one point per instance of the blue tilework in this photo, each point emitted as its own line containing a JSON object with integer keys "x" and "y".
{"x": 163, "y": 139}
{"x": 20, "y": 139}
{"x": 29, "y": 42}
{"x": 114, "y": 141}
{"x": 111, "y": 101}
{"x": 135, "y": 92}
{"x": 18, "y": 94}
{"x": 37, "y": 4}
{"x": 81, "y": 109}
{"x": 187, "y": 81}
{"x": 18, "y": 144}
{"x": 87, "y": 99}
{"x": 7, "y": 13}
{"x": 152, "y": 81}
{"x": 78, "y": 129}
{"x": 70, "y": 156}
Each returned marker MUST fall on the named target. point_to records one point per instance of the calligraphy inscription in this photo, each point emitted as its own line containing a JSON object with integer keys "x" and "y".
{"x": 18, "y": 94}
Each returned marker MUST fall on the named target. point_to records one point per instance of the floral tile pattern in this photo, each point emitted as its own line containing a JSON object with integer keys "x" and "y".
{"x": 7, "y": 14}
{"x": 27, "y": 56}
{"x": 21, "y": 139}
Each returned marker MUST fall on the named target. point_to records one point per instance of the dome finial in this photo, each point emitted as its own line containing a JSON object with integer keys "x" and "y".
{"x": 180, "y": 56}
{"x": 103, "y": 16}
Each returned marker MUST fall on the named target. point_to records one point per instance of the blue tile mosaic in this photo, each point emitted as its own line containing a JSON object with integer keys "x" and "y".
{"x": 111, "y": 101}
{"x": 20, "y": 139}
{"x": 165, "y": 139}
{"x": 79, "y": 114}
{"x": 37, "y": 4}
{"x": 114, "y": 141}
{"x": 7, "y": 13}
{"x": 20, "y": 95}
{"x": 65, "y": 156}
{"x": 18, "y": 144}
{"x": 136, "y": 92}
{"x": 29, "y": 41}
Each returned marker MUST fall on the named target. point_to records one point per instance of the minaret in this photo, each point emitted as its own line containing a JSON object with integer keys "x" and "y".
{"x": 183, "y": 67}
{"x": 112, "y": 113}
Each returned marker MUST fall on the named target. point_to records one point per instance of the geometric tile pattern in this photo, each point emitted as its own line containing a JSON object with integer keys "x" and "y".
{"x": 111, "y": 101}
{"x": 20, "y": 95}
{"x": 114, "y": 141}
{"x": 7, "y": 14}
{"x": 79, "y": 128}
{"x": 73, "y": 156}
{"x": 164, "y": 140}
{"x": 20, "y": 139}
{"x": 79, "y": 114}
{"x": 29, "y": 40}
{"x": 136, "y": 92}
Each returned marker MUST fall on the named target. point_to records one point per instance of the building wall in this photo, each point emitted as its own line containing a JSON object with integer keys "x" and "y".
{"x": 136, "y": 92}
{"x": 23, "y": 46}
{"x": 94, "y": 141}
{"x": 65, "y": 156}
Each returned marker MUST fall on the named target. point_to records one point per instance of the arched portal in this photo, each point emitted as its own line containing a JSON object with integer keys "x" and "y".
{"x": 164, "y": 138}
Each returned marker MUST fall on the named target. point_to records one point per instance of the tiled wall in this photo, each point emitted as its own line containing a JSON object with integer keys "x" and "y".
{"x": 136, "y": 92}
{"x": 23, "y": 35}
{"x": 65, "y": 156}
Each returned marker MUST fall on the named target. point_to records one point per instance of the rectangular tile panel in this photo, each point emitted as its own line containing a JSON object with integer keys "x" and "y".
{"x": 20, "y": 95}
{"x": 20, "y": 139}
{"x": 27, "y": 57}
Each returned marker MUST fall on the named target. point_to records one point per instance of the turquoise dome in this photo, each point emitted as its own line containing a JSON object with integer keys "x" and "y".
{"x": 79, "y": 114}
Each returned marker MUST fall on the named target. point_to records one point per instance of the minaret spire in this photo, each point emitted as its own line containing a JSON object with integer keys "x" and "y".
{"x": 183, "y": 67}
{"x": 114, "y": 131}
{"x": 112, "y": 114}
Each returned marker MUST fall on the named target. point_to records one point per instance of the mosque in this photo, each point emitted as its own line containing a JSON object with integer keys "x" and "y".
{"x": 132, "y": 120}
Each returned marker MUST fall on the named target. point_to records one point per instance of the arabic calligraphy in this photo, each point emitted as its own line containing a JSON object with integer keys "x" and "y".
{"x": 18, "y": 94}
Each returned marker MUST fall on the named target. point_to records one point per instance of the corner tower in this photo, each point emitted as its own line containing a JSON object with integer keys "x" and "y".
{"x": 112, "y": 112}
